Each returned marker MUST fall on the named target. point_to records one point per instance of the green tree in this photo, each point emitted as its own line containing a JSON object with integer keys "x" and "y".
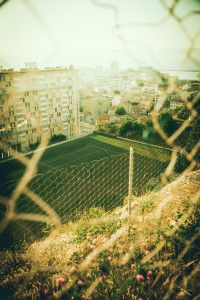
{"x": 131, "y": 129}
{"x": 183, "y": 113}
{"x": 120, "y": 110}
{"x": 125, "y": 127}
{"x": 116, "y": 92}
{"x": 141, "y": 84}
{"x": 111, "y": 128}
{"x": 167, "y": 123}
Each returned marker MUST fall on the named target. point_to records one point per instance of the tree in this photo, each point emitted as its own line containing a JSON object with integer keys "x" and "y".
{"x": 183, "y": 113}
{"x": 141, "y": 84}
{"x": 125, "y": 127}
{"x": 120, "y": 110}
{"x": 167, "y": 123}
{"x": 111, "y": 128}
{"x": 116, "y": 92}
{"x": 131, "y": 129}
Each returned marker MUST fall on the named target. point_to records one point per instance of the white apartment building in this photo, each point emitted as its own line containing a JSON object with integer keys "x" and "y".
{"x": 37, "y": 104}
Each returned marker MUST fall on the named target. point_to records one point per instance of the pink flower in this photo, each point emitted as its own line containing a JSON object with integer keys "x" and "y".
{"x": 104, "y": 276}
{"x": 80, "y": 282}
{"x": 150, "y": 273}
{"x": 111, "y": 287}
{"x": 133, "y": 266}
{"x": 109, "y": 258}
{"x": 146, "y": 252}
{"x": 55, "y": 295}
{"x": 55, "y": 262}
{"x": 40, "y": 283}
{"x": 139, "y": 277}
{"x": 111, "y": 250}
{"x": 92, "y": 246}
{"x": 139, "y": 298}
{"x": 131, "y": 248}
{"x": 59, "y": 281}
{"x": 46, "y": 292}
{"x": 143, "y": 245}
{"x": 105, "y": 240}
{"x": 121, "y": 251}
{"x": 73, "y": 269}
{"x": 95, "y": 241}
{"x": 88, "y": 275}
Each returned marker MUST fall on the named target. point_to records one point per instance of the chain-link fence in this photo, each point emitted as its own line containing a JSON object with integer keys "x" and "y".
{"x": 154, "y": 247}
{"x": 63, "y": 194}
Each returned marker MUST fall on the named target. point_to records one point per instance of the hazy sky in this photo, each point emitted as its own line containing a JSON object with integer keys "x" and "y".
{"x": 86, "y": 33}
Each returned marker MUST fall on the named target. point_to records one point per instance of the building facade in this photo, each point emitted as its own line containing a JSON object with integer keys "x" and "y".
{"x": 97, "y": 104}
{"x": 36, "y": 104}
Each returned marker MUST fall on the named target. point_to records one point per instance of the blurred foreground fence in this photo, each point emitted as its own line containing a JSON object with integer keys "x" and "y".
{"x": 60, "y": 195}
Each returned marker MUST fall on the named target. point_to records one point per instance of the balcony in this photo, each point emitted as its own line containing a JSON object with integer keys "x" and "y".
{"x": 20, "y": 112}
{"x": 22, "y": 134}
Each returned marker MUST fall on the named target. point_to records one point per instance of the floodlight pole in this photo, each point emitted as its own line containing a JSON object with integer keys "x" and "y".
{"x": 130, "y": 181}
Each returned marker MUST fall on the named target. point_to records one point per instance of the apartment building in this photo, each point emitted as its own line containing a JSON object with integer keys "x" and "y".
{"x": 36, "y": 104}
{"x": 97, "y": 104}
{"x": 175, "y": 103}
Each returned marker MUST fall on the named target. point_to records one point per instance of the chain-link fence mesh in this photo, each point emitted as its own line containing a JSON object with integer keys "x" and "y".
{"x": 135, "y": 257}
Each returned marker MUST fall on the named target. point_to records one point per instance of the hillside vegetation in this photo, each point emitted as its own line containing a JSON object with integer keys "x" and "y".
{"x": 152, "y": 255}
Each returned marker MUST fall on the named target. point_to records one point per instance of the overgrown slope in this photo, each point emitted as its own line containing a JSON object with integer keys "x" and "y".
{"x": 152, "y": 255}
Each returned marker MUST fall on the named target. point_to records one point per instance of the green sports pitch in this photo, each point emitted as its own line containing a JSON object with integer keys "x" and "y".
{"x": 79, "y": 174}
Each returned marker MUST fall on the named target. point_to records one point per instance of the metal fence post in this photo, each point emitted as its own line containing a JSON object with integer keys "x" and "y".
{"x": 130, "y": 181}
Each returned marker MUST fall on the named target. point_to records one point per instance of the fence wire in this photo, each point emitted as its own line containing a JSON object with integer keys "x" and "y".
{"x": 133, "y": 255}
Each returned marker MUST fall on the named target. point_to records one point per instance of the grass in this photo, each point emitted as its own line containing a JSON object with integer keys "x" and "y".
{"x": 51, "y": 268}
{"x": 139, "y": 148}
{"x": 72, "y": 177}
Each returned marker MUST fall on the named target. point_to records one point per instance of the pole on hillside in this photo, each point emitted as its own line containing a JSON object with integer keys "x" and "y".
{"x": 130, "y": 181}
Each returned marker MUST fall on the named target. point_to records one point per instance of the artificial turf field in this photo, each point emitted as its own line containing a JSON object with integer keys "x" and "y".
{"x": 79, "y": 151}
{"x": 79, "y": 174}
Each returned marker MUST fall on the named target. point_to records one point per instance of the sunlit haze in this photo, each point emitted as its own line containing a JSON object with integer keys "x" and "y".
{"x": 88, "y": 33}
